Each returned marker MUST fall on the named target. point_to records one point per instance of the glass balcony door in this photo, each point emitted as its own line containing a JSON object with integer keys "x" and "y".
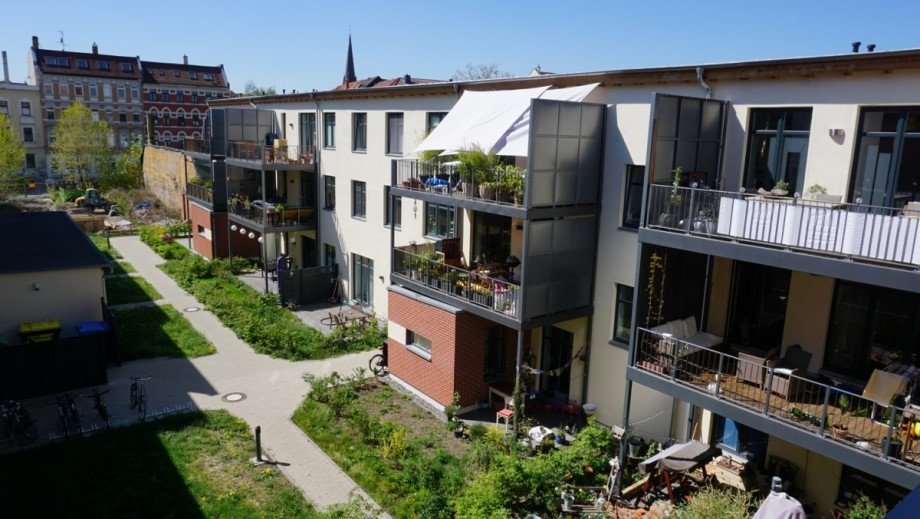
{"x": 887, "y": 168}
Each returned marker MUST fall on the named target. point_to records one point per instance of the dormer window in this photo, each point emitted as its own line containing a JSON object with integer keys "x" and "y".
{"x": 54, "y": 61}
{"x": 103, "y": 65}
{"x": 161, "y": 72}
{"x": 193, "y": 75}
{"x": 209, "y": 77}
{"x": 176, "y": 73}
{"x": 83, "y": 64}
{"x": 126, "y": 66}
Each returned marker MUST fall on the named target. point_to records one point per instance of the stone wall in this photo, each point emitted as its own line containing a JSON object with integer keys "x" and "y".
{"x": 164, "y": 177}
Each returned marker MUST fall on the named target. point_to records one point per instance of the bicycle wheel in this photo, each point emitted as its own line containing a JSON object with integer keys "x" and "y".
{"x": 103, "y": 413}
{"x": 142, "y": 403}
{"x": 134, "y": 395}
{"x": 377, "y": 366}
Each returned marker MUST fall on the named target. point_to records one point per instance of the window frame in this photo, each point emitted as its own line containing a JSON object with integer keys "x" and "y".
{"x": 329, "y": 192}
{"x": 359, "y": 262}
{"x": 4, "y": 107}
{"x": 634, "y": 178}
{"x": 397, "y": 208}
{"x": 439, "y": 211}
{"x": 329, "y": 255}
{"x": 429, "y": 127}
{"x": 329, "y": 130}
{"x": 748, "y": 179}
{"x": 30, "y": 158}
{"x": 25, "y": 109}
{"x": 418, "y": 344}
{"x": 359, "y": 199}
{"x": 31, "y": 134}
{"x": 395, "y": 133}
{"x": 359, "y": 127}
{"x": 620, "y": 302}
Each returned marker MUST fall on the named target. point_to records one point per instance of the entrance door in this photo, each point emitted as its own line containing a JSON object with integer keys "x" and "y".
{"x": 363, "y": 279}
{"x": 308, "y": 250}
{"x": 886, "y": 171}
{"x": 557, "y": 352}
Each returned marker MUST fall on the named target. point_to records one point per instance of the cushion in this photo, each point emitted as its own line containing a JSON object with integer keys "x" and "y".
{"x": 676, "y": 329}
{"x": 689, "y": 325}
{"x": 783, "y": 371}
{"x": 707, "y": 340}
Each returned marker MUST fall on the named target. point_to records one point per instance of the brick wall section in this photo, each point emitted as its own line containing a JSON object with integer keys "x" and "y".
{"x": 199, "y": 216}
{"x": 457, "y": 351}
{"x": 242, "y": 245}
{"x": 164, "y": 177}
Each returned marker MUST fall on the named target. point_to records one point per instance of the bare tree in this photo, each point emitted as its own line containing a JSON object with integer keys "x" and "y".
{"x": 480, "y": 71}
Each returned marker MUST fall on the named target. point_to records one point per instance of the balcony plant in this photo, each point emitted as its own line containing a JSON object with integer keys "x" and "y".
{"x": 511, "y": 184}
{"x": 840, "y": 427}
{"x": 667, "y": 218}
{"x": 815, "y": 190}
{"x": 476, "y": 166}
{"x": 781, "y": 188}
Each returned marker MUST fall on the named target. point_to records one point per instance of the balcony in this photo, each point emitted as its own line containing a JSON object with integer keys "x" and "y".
{"x": 879, "y": 430}
{"x": 272, "y": 216}
{"x": 483, "y": 289}
{"x": 498, "y": 187}
{"x": 257, "y": 155}
{"x": 200, "y": 193}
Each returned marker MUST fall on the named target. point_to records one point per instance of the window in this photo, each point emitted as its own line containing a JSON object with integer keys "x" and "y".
{"x": 757, "y": 313}
{"x": 161, "y": 73}
{"x": 740, "y": 439}
{"x": 886, "y": 171}
{"x": 78, "y": 90}
{"x": 107, "y": 91}
{"x": 180, "y": 97}
{"x": 494, "y": 354}
{"x": 433, "y": 120}
{"x": 622, "y": 314}
{"x": 30, "y": 161}
{"x": 25, "y": 109}
{"x": 180, "y": 119}
{"x": 135, "y": 94}
{"x": 50, "y": 115}
{"x": 358, "y": 198}
{"x": 777, "y": 148}
{"x": 135, "y": 117}
{"x": 27, "y": 135}
{"x": 193, "y": 75}
{"x": 121, "y": 93}
{"x": 491, "y": 238}
{"x": 439, "y": 221}
{"x": 307, "y": 131}
{"x": 93, "y": 92}
{"x": 418, "y": 344}
{"x": 397, "y": 208}
{"x": 126, "y": 66}
{"x": 63, "y": 91}
{"x": 394, "y": 134}
{"x": 164, "y": 96}
{"x": 49, "y": 90}
{"x": 363, "y": 279}
{"x": 329, "y": 192}
{"x": 4, "y": 107}
{"x": 176, "y": 73}
{"x": 632, "y": 199}
{"x": 329, "y": 131}
{"x": 359, "y": 132}
{"x": 83, "y": 64}
{"x": 209, "y": 77}
{"x": 103, "y": 65}
{"x": 328, "y": 255}
{"x": 54, "y": 61}
{"x": 122, "y": 117}
{"x": 204, "y": 232}
{"x": 871, "y": 326}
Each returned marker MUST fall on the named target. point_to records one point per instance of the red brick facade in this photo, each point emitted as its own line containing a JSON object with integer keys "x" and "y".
{"x": 242, "y": 245}
{"x": 458, "y": 342}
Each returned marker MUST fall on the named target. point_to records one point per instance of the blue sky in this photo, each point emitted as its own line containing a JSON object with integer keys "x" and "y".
{"x": 301, "y": 45}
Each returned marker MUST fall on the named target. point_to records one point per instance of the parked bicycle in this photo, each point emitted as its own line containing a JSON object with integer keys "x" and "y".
{"x": 139, "y": 396}
{"x": 68, "y": 415}
{"x": 378, "y": 363}
{"x": 99, "y": 405}
{"x": 18, "y": 424}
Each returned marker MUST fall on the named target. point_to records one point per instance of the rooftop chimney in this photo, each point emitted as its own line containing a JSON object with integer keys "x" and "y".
{"x": 870, "y": 47}
{"x": 95, "y": 48}
{"x": 856, "y": 45}
{"x": 185, "y": 59}
{"x": 6, "y": 69}
{"x": 408, "y": 79}
{"x": 34, "y": 42}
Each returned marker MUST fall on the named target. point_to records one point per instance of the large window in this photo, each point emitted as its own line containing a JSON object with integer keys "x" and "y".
{"x": 494, "y": 354}
{"x": 307, "y": 131}
{"x": 359, "y": 132}
{"x": 362, "y": 279}
{"x": 358, "y": 198}
{"x": 777, "y": 148}
{"x": 4, "y": 107}
{"x": 27, "y": 134}
{"x": 871, "y": 327}
{"x": 632, "y": 195}
{"x": 397, "y": 208}
{"x": 439, "y": 221}
{"x": 433, "y": 120}
{"x": 622, "y": 314}
{"x": 758, "y": 306}
{"x": 329, "y": 130}
{"x": 492, "y": 238}
{"x": 394, "y": 134}
{"x": 25, "y": 109}
{"x": 329, "y": 192}
{"x": 328, "y": 255}
{"x": 887, "y": 170}
{"x": 418, "y": 344}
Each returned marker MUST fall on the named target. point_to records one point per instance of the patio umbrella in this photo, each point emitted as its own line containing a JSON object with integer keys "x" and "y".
{"x": 779, "y": 505}
{"x": 682, "y": 457}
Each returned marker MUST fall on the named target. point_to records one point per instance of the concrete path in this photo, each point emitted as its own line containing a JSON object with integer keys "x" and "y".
{"x": 274, "y": 388}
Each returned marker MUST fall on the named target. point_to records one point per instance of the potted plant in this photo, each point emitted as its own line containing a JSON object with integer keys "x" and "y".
{"x": 815, "y": 190}
{"x": 667, "y": 218}
{"x": 475, "y": 167}
{"x": 841, "y": 430}
{"x": 781, "y": 188}
{"x": 512, "y": 184}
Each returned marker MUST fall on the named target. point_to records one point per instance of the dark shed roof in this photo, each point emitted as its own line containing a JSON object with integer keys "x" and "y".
{"x": 33, "y": 242}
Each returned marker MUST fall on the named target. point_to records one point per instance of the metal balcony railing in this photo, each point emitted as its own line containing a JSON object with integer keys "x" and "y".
{"x": 500, "y": 186}
{"x": 824, "y": 410}
{"x": 473, "y": 287}
{"x": 266, "y": 154}
{"x": 272, "y": 215}
{"x": 202, "y": 146}
{"x": 201, "y": 193}
{"x": 852, "y": 231}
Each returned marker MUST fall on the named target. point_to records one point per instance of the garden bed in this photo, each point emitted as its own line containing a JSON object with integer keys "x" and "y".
{"x": 129, "y": 289}
{"x": 158, "y": 331}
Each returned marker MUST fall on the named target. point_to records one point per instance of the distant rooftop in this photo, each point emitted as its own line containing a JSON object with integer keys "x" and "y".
{"x": 91, "y": 64}
{"x": 42, "y": 241}
{"x": 377, "y": 82}
{"x": 160, "y": 73}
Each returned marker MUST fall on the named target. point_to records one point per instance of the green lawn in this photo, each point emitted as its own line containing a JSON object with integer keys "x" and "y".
{"x": 158, "y": 331}
{"x": 119, "y": 265}
{"x": 194, "y": 465}
{"x": 129, "y": 290}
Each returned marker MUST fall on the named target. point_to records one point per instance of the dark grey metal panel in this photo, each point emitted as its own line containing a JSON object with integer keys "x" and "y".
{"x": 879, "y": 275}
{"x": 559, "y": 260}
{"x": 309, "y": 285}
{"x": 892, "y": 472}
{"x": 219, "y": 185}
{"x": 218, "y": 119}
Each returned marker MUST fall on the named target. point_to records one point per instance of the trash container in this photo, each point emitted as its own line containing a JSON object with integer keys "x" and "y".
{"x": 40, "y": 331}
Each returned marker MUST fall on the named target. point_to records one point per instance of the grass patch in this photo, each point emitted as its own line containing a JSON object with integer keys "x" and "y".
{"x": 129, "y": 290}
{"x": 194, "y": 465}
{"x": 122, "y": 267}
{"x": 158, "y": 331}
{"x": 102, "y": 243}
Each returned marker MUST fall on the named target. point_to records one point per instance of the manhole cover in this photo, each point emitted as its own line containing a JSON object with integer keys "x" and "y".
{"x": 233, "y": 397}
{"x": 191, "y": 309}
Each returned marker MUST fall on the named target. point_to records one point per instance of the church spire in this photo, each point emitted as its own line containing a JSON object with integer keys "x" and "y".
{"x": 349, "y": 66}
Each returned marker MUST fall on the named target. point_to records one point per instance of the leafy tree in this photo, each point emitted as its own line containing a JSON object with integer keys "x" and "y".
{"x": 123, "y": 171}
{"x": 250, "y": 89}
{"x": 81, "y": 146}
{"x": 12, "y": 156}
{"x": 480, "y": 71}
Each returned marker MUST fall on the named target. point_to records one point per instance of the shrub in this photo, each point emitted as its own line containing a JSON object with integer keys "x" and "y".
{"x": 179, "y": 229}
{"x": 711, "y": 503}
{"x": 865, "y": 508}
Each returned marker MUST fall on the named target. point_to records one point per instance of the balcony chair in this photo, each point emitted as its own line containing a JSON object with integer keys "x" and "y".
{"x": 795, "y": 362}
{"x": 752, "y": 365}
{"x": 882, "y": 388}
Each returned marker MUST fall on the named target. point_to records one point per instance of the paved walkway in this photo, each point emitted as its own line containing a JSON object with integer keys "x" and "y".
{"x": 274, "y": 388}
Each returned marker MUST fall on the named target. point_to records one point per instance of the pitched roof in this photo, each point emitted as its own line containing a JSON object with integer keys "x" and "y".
{"x": 158, "y": 73}
{"x": 86, "y": 64}
{"x": 41, "y": 241}
{"x": 377, "y": 81}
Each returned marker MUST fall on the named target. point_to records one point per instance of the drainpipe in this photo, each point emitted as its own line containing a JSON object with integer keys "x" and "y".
{"x": 317, "y": 180}
{"x": 703, "y": 83}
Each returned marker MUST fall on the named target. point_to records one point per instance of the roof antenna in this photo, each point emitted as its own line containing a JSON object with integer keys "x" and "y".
{"x": 61, "y": 39}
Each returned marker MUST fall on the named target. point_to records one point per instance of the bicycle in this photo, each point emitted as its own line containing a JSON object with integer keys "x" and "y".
{"x": 378, "y": 363}
{"x": 67, "y": 414}
{"x": 74, "y": 415}
{"x": 139, "y": 396}
{"x": 99, "y": 405}
{"x": 18, "y": 422}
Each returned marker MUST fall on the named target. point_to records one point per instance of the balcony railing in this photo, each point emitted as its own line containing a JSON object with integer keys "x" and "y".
{"x": 852, "y": 231}
{"x": 273, "y": 215}
{"x": 265, "y": 154}
{"x": 202, "y": 146}
{"x": 199, "y": 192}
{"x": 824, "y": 410}
{"x": 500, "y": 186}
{"x": 473, "y": 287}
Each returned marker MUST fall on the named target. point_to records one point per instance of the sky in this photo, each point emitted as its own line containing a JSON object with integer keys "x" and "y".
{"x": 301, "y": 45}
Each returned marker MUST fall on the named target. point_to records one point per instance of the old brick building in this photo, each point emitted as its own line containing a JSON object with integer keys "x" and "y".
{"x": 176, "y": 97}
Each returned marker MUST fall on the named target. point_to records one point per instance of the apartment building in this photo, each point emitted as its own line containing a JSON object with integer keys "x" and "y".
{"x": 176, "y": 99}
{"x": 109, "y": 85}
{"x": 21, "y": 102}
{"x": 649, "y": 267}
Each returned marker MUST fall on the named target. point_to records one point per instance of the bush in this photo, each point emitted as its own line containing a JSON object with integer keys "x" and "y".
{"x": 865, "y": 508}
{"x": 711, "y": 503}
{"x": 179, "y": 229}
{"x": 65, "y": 196}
